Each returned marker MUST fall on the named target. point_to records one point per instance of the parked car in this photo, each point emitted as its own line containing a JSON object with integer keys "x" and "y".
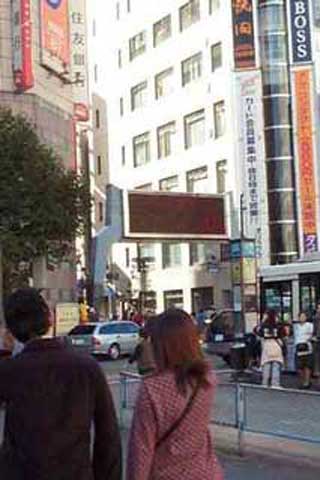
{"x": 113, "y": 338}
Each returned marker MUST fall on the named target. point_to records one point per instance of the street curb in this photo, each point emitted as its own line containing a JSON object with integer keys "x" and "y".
{"x": 226, "y": 441}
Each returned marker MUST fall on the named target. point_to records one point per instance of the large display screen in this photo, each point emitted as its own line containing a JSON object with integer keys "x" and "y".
{"x": 174, "y": 215}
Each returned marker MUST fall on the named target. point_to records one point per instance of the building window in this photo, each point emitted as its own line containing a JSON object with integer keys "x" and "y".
{"x": 123, "y": 155}
{"x": 164, "y": 83}
{"x": 119, "y": 58}
{"x": 139, "y": 96}
{"x": 194, "y": 127}
{"x": 137, "y": 45}
{"x": 127, "y": 257}
{"x": 97, "y": 118}
{"x": 173, "y": 299}
{"x": 100, "y": 207}
{"x": 225, "y": 252}
{"x": 201, "y": 252}
{"x": 147, "y": 250}
{"x": 128, "y": 6}
{"x": 221, "y": 175}
{"x": 197, "y": 180}
{"x": 219, "y": 119}
{"x": 96, "y": 73}
{"x": 118, "y": 10}
{"x": 161, "y": 30}
{"x": 94, "y": 27}
{"x": 169, "y": 184}
{"x": 99, "y": 165}
{"x": 146, "y": 187}
{"x": 189, "y": 14}
{"x": 121, "y": 106}
{"x": 214, "y": 5}
{"x": 191, "y": 69}
{"x": 216, "y": 56}
{"x": 171, "y": 255}
{"x": 165, "y": 135}
{"x": 141, "y": 149}
{"x": 227, "y": 299}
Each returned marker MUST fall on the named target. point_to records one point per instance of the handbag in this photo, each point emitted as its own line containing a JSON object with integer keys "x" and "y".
{"x": 303, "y": 349}
{"x": 176, "y": 424}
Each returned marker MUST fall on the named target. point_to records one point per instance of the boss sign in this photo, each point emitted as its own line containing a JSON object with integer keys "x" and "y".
{"x": 301, "y": 50}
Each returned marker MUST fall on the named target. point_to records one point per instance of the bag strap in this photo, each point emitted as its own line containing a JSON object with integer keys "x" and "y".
{"x": 179, "y": 420}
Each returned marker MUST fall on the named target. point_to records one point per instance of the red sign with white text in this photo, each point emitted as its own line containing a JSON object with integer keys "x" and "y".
{"x": 22, "y": 45}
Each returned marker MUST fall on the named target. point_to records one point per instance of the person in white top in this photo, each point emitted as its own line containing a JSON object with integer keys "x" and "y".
{"x": 303, "y": 333}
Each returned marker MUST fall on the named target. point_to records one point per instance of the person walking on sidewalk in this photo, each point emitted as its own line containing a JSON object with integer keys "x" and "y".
{"x": 303, "y": 333}
{"x": 272, "y": 349}
{"x": 170, "y": 436}
{"x": 52, "y": 397}
{"x": 316, "y": 329}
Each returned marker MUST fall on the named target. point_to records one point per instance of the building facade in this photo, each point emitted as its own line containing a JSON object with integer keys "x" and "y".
{"x": 43, "y": 75}
{"x": 209, "y": 96}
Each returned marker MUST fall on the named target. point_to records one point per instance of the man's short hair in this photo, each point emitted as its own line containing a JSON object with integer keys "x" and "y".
{"x": 27, "y": 314}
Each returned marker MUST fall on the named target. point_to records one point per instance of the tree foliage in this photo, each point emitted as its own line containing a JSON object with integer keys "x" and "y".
{"x": 43, "y": 206}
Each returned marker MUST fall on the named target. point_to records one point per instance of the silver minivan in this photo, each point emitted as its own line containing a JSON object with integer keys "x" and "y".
{"x": 113, "y": 338}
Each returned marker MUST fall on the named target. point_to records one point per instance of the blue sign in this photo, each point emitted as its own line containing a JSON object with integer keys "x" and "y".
{"x": 235, "y": 251}
{"x": 54, "y": 3}
{"x": 301, "y": 47}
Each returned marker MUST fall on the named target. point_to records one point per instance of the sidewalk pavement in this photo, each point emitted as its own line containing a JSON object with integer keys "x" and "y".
{"x": 254, "y": 466}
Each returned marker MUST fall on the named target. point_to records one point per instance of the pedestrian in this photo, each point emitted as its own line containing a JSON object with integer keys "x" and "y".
{"x": 143, "y": 353}
{"x": 303, "y": 333}
{"x": 316, "y": 329}
{"x": 170, "y": 436}
{"x": 272, "y": 349}
{"x": 53, "y": 397}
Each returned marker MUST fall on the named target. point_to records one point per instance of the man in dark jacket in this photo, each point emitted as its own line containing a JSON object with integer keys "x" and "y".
{"x": 53, "y": 397}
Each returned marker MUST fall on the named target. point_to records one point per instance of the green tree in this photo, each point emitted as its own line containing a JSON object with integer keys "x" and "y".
{"x": 43, "y": 206}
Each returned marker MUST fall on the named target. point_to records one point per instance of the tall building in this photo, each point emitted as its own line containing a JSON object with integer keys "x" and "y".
{"x": 212, "y": 96}
{"x": 43, "y": 74}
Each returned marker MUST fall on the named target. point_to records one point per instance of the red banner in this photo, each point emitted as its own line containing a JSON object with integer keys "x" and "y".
{"x": 306, "y": 158}
{"x": 22, "y": 45}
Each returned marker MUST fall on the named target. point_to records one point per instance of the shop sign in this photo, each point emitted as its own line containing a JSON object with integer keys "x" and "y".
{"x": 235, "y": 249}
{"x": 301, "y": 49}
{"x": 308, "y": 197}
{"x": 243, "y": 34}
{"x": 236, "y": 272}
{"x": 22, "y": 44}
{"x": 79, "y": 59}
{"x": 67, "y": 316}
{"x": 249, "y": 273}
{"x": 55, "y": 41}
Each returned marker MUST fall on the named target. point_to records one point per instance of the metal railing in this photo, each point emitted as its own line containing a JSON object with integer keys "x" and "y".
{"x": 284, "y": 413}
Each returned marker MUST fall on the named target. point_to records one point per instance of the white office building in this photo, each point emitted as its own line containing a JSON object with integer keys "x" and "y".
{"x": 170, "y": 91}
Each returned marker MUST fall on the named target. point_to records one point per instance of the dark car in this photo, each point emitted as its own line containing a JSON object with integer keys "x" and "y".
{"x": 224, "y": 338}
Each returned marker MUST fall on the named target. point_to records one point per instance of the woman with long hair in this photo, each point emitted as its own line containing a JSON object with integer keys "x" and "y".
{"x": 170, "y": 436}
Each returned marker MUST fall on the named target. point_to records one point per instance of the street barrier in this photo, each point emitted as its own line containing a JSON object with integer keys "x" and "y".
{"x": 284, "y": 413}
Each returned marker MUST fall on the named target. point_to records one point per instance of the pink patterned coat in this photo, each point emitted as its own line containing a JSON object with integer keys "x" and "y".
{"x": 188, "y": 452}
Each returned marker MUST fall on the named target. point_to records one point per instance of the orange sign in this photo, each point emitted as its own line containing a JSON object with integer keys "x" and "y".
{"x": 55, "y": 41}
{"x": 306, "y": 158}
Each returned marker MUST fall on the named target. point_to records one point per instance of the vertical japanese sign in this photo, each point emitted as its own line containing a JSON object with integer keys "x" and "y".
{"x": 305, "y": 149}
{"x": 251, "y": 149}
{"x": 55, "y": 42}
{"x": 79, "y": 59}
{"x": 243, "y": 34}
{"x": 22, "y": 44}
{"x": 301, "y": 49}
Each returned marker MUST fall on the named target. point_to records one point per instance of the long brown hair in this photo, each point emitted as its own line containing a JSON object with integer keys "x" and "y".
{"x": 176, "y": 347}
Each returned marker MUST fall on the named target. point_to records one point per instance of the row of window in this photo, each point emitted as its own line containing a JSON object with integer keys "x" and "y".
{"x": 199, "y": 253}
{"x": 191, "y": 71}
{"x": 194, "y": 134}
{"x": 189, "y": 14}
{"x": 197, "y": 181}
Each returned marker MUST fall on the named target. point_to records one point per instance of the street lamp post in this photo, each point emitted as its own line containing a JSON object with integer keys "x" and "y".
{"x": 242, "y": 237}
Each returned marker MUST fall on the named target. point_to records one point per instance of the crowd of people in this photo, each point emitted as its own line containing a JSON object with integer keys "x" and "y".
{"x": 56, "y": 399}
